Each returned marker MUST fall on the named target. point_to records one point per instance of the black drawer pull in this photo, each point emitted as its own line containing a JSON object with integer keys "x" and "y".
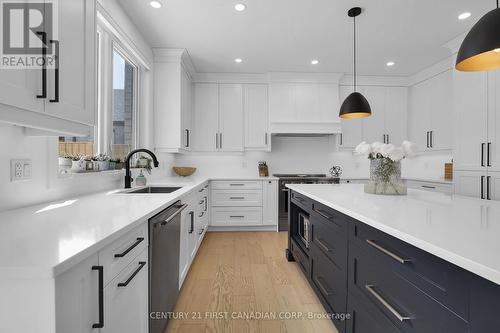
{"x": 324, "y": 214}
{"x": 325, "y": 247}
{"x": 322, "y": 287}
{"x": 237, "y": 217}
{"x": 387, "y": 252}
{"x": 124, "y": 253}
{"x": 141, "y": 265}
{"x": 430, "y": 187}
{"x": 236, "y": 184}
{"x": 100, "y": 270}
{"x": 386, "y": 304}
{"x": 237, "y": 198}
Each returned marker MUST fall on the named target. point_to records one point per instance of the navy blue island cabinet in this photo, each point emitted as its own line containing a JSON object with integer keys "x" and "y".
{"x": 372, "y": 282}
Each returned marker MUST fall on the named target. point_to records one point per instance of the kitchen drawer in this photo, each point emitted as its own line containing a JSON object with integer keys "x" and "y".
{"x": 237, "y": 185}
{"x": 366, "y": 318}
{"x": 397, "y": 298}
{"x": 330, "y": 238}
{"x": 301, "y": 258}
{"x": 302, "y": 201}
{"x": 329, "y": 280}
{"x": 336, "y": 220}
{"x": 249, "y": 198}
{"x": 236, "y": 216}
{"x": 116, "y": 256}
{"x": 202, "y": 191}
{"x": 430, "y": 186}
{"x": 441, "y": 280}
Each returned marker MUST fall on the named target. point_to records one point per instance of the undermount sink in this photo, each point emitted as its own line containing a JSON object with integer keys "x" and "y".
{"x": 155, "y": 189}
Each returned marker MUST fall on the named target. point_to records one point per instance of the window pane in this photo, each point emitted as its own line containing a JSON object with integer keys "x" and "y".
{"x": 123, "y": 106}
{"x": 70, "y": 145}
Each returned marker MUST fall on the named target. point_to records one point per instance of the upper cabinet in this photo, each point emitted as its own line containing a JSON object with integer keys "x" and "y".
{"x": 256, "y": 116}
{"x": 218, "y": 117}
{"x": 352, "y": 129}
{"x": 430, "y": 115}
{"x": 62, "y": 98}
{"x": 172, "y": 102}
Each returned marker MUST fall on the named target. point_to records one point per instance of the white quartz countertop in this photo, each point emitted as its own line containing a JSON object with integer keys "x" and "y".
{"x": 461, "y": 230}
{"x": 43, "y": 241}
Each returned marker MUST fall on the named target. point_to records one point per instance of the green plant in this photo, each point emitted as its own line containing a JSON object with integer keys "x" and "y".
{"x": 102, "y": 157}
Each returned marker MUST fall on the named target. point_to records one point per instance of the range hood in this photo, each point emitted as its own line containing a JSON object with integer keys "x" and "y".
{"x": 304, "y": 104}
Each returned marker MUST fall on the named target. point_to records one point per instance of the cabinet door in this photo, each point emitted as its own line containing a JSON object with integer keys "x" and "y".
{"x": 281, "y": 102}
{"x": 494, "y": 119}
{"x": 352, "y": 129}
{"x": 19, "y": 87}
{"x": 256, "y": 116}
{"x": 186, "y": 128}
{"x": 470, "y": 183}
{"x": 419, "y": 114}
{"x": 184, "y": 257}
{"x": 206, "y": 121}
{"x": 470, "y": 105}
{"x": 396, "y": 114}
{"x": 126, "y": 306}
{"x": 270, "y": 202}
{"x": 441, "y": 114}
{"x": 77, "y": 303}
{"x": 374, "y": 126}
{"x": 77, "y": 84}
{"x": 231, "y": 117}
{"x": 494, "y": 183}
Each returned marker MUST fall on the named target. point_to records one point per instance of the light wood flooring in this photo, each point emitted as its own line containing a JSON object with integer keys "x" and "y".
{"x": 246, "y": 273}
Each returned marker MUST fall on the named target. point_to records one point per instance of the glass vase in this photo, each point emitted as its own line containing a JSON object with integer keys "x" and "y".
{"x": 385, "y": 178}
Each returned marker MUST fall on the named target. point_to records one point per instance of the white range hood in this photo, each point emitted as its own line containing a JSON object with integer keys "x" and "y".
{"x": 304, "y": 104}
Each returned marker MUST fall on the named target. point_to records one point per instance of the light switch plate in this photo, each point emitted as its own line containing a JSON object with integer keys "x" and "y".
{"x": 20, "y": 169}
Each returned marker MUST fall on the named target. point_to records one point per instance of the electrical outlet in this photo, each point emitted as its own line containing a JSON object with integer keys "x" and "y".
{"x": 20, "y": 169}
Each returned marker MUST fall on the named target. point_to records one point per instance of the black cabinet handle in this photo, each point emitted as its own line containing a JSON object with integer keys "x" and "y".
{"x": 124, "y": 253}
{"x": 488, "y": 188}
{"x": 431, "y": 141}
{"x": 388, "y": 139}
{"x": 482, "y": 154}
{"x": 430, "y": 187}
{"x": 187, "y": 138}
{"x": 488, "y": 153}
{"x": 206, "y": 203}
{"x": 192, "y": 222}
{"x": 322, "y": 287}
{"x": 141, "y": 265}
{"x": 56, "y": 73}
{"x": 100, "y": 270}
{"x": 43, "y": 34}
{"x": 427, "y": 139}
{"x": 482, "y": 187}
{"x": 341, "y": 139}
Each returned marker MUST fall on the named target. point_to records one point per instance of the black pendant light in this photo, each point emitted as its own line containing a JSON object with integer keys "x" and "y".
{"x": 355, "y": 105}
{"x": 480, "y": 50}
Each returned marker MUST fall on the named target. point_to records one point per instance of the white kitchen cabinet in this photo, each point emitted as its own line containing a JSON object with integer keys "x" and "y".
{"x": 282, "y": 101}
{"x": 71, "y": 107}
{"x": 206, "y": 116}
{"x": 493, "y": 144}
{"x": 469, "y": 183}
{"x": 430, "y": 121}
{"x": 77, "y": 302}
{"x": 395, "y": 117}
{"x": 77, "y": 83}
{"x": 172, "y": 105}
{"x": 256, "y": 116}
{"x": 230, "y": 117}
{"x": 494, "y": 185}
{"x": 432, "y": 186}
{"x": 374, "y": 126}
{"x": 471, "y": 117}
{"x": 352, "y": 129}
{"x": 126, "y": 299}
{"x": 236, "y": 216}
{"x": 270, "y": 202}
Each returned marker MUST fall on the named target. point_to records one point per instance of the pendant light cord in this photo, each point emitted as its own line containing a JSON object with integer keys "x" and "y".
{"x": 355, "y": 53}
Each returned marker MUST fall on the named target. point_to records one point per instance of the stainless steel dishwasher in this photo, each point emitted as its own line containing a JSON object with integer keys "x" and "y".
{"x": 164, "y": 250}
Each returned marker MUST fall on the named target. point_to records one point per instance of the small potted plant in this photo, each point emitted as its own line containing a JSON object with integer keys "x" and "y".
{"x": 89, "y": 164}
{"x": 77, "y": 163}
{"x": 65, "y": 161}
{"x": 101, "y": 162}
{"x": 118, "y": 164}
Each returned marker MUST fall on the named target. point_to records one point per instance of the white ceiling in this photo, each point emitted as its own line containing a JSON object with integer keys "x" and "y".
{"x": 285, "y": 35}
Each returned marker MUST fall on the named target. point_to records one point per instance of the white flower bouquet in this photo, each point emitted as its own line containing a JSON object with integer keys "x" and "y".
{"x": 385, "y": 166}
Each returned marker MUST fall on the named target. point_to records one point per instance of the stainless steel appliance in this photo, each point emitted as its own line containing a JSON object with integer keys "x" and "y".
{"x": 304, "y": 229}
{"x": 164, "y": 251}
{"x": 296, "y": 179}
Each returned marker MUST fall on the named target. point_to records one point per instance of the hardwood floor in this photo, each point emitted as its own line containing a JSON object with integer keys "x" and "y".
{"x": 239, "y": 276}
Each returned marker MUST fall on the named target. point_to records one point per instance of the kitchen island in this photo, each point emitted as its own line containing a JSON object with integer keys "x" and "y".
{"x": 425, "y": 262}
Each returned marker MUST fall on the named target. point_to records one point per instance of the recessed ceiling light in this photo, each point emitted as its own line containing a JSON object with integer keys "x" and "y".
{"x": 314, "y": 62}
{"x": 155, "y": 4}
{"x": 240, "y": 7}
{"x": 238, "y": 60}
{"x": 464, "y": 16}
{"x": 390, "y": 64}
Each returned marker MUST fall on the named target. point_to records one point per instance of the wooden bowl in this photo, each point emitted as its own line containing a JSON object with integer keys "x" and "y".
{"x": 184, "y": 171}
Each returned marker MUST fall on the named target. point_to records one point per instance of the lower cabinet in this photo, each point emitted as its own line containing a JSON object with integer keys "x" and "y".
{"x": 126, "y": 300}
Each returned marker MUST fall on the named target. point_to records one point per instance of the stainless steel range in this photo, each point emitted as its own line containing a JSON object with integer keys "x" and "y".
{"x": 296, "y": 179}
